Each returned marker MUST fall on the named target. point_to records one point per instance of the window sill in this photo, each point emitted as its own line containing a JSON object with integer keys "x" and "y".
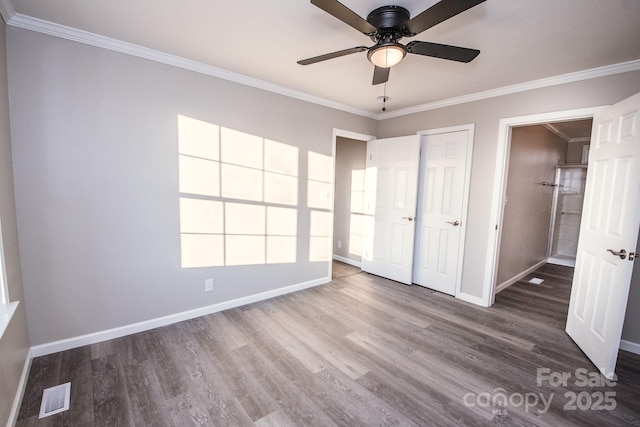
{"x": 6, "y": 313}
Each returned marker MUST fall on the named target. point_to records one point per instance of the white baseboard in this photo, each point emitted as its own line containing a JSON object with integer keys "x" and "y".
{"x": 69, "y": 343}
{"x": 472, "y": 299}
{"x": 562, "y": 261}
{"x": 347, "y": 261}
{"x": 630, "y": 346}
{"x": 504, "y": 285}
{"x": 22, "y": 385}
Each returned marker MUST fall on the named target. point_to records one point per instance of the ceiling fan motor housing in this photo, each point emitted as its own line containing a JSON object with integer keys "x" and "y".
{"x": 390, "y": 22}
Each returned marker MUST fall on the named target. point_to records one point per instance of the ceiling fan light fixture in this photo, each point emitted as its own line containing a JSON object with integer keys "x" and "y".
{"x": 386, "y": 55}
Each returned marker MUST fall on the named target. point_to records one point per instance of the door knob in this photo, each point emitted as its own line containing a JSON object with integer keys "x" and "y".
{"x": 622, "y": 253}
{"x": 408, "y": 218}
{"x": 454, "y": 223}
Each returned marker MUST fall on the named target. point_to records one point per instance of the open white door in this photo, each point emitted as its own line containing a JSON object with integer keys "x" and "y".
{"x": 441, "y": 210}
{"x": 391, "y": 188}
{"x": 608, "y": 235}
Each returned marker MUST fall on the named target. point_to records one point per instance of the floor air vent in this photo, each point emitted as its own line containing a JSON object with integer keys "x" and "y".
{"x": 55, "y": 400}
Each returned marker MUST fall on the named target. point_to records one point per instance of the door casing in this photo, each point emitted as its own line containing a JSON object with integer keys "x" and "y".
{"x": 344, "y": 134}
{"x": 500, "y": 186}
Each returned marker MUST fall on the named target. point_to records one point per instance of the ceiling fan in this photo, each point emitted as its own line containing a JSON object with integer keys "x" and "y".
{"x": 386, "y": 25}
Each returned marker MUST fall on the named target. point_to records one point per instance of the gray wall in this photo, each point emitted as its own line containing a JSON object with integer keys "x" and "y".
{"x": 14, "y": 344}
{"x": 535, "y": 153}
{"x": 486, "y": 115}
{"x": 574, "y": 151}
{"x": 350, "y": 157}
{"x": 94, "y": 140}
{"x": 96, "y": 177}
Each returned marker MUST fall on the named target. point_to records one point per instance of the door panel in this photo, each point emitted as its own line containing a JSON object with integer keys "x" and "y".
{"x": 390, "y": 207}
{"x": 397, "y": 243}
{"x": 400, "y": 190}
{"x": 441, "y": 210}
{"x": 611, "y": 219}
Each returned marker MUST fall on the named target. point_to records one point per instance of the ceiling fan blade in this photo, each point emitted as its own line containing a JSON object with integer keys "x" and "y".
{"x": 346, "y": 15}
{"x": 332, "y": 55}
{"x": 443, "y": 51}
{"x": 380, "y": 75}
{"x": 439, "y": 12}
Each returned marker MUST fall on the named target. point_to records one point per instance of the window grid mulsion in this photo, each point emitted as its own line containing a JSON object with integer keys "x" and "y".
{"x": 224, "y": 213}
{"x": 262, "y": 165}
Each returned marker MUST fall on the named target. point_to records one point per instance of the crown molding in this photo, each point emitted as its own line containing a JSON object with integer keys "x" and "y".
{"x": 564, "y": 136}
{"x": 46, "y": 27}
{"x": 557, "y": 131}
{"x": 81, "y": 36}
{"x": 7, "y": 10}
{"x": 607, "y": 70}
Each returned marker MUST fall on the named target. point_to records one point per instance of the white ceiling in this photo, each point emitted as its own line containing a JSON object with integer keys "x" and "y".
{"x": 520, "y": 41}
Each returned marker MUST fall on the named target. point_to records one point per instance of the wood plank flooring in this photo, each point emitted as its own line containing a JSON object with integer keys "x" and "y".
{"x": 360, "y": 351}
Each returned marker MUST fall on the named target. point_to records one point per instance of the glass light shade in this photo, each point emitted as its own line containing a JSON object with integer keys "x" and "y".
{"x": 385, "y": 56}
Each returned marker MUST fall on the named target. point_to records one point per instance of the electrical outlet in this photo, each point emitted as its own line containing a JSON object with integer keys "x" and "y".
{"x": 208, "y": 285}
{"x": 339, "y": 244}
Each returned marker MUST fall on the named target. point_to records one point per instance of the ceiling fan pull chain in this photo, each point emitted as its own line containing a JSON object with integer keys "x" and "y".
{"x": 384, "y": 98}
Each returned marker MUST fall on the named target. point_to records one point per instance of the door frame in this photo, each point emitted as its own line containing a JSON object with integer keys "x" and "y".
{"x": 500, "y": 185}
{"x": 334, "y": 141}
{"x": 470, "y": 128}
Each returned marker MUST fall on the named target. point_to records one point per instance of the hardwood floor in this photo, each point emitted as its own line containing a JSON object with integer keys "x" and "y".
{"x": 361, "y": 350}
{"x": 340, "y": 270}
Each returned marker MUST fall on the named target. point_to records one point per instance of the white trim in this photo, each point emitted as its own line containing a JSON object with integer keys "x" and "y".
{"x": 347, "y": 261}
{"x": 557, "y": 131}
{"x": 351, "y": 135}
{"x": 504, "y": 285}
{"x": 334, "y": 141}
{"x": 470, "y": 128}
{"x": 500, "y": 178}
{"x": 449, "y": 129}
{"x": 592, "y": 73}
{"x": 585, "y": 153}
{"x": 69, "y": 343}
{"x": 332, "y": 202}
{"x": 5, "y": 300}
{"x": 74, "y": 34}
{"x": 22, "y": 385}
{"x": 6, "y": 314}
{"x": 472, "y": 299}
{"x": 630, "y": 346}
{"x": 7, "y": 10}
{"x": 562, "y": 261}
